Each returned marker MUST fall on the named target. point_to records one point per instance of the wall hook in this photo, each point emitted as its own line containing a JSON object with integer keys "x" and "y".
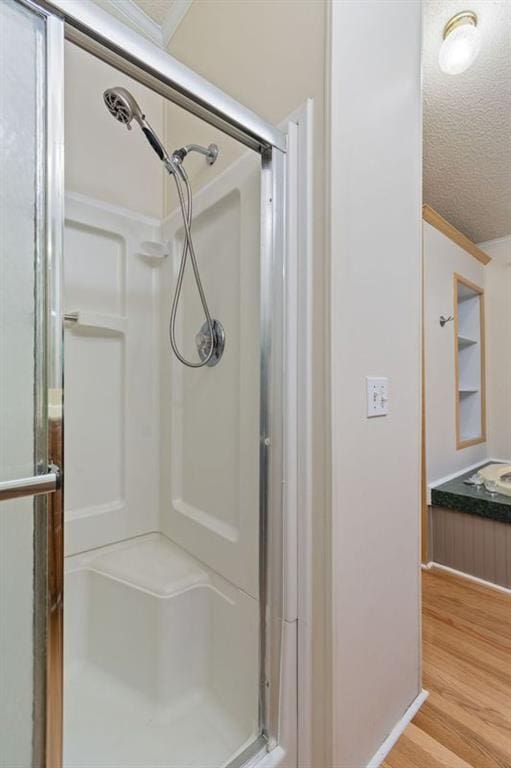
{"x": 444, "y": 320}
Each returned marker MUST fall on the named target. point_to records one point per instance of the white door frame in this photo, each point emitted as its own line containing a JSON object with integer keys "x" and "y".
{"x": 294, "y": 748}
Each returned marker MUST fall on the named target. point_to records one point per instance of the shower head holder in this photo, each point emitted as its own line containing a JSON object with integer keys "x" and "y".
{"x": 203, "y": 342}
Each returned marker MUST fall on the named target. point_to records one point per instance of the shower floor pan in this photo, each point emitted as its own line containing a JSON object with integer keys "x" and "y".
{"x": 160, "y": 662}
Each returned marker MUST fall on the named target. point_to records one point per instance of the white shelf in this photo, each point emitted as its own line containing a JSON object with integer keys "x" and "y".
{"x": 465, "y": 292}
{"x": 469, "y": 371}
{"x": 153, "y": 253}
{"x": 466, "y": 341}
{"x": 92, "y": 321}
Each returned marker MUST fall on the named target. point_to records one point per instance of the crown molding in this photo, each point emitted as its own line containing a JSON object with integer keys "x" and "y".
{"x": 173, "y": 18}
{"x": 433, "y": 217}
{"x": 132, "y": 14}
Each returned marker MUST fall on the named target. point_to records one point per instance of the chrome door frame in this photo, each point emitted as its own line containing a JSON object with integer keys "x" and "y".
{"x": 100, "y": 34}
{"x": 55, "y": 376}
{"x": 46, "y": 485}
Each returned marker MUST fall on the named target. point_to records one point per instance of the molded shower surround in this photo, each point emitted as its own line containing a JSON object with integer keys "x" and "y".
{"x": 159, "y": 657}
{"x": 162, "y": 487}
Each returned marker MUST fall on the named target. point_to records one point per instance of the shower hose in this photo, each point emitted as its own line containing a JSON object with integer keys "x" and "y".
{"x": 176, "y": 170}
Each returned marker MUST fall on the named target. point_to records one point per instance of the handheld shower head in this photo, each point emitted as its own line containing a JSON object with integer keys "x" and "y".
{"x": 124, "y": 108}
{"x": 211, "y": 338}
{"x": 121, "y": 105}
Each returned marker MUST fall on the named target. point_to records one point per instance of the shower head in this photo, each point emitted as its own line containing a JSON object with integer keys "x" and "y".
{"x": 121, "y": 105}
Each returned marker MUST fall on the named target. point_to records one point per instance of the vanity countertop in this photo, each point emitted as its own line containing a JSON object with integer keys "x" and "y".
{"x": 454, "y": 494}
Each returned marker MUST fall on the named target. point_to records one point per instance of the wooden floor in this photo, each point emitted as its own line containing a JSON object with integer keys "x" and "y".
{"x": 466, "y": 721}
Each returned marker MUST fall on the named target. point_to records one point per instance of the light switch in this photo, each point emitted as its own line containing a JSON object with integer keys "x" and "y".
{"x": 377, "y": 396}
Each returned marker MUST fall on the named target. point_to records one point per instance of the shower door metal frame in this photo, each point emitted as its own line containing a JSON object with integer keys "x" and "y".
{"x": 97, "y": 32}
{"x": 47, "y": 488}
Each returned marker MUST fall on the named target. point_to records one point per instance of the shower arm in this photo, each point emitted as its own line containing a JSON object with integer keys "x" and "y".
{"x": 210, "y": 152}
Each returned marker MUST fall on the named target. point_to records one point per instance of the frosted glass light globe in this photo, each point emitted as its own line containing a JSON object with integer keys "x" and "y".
{"x": 459, "y": 49}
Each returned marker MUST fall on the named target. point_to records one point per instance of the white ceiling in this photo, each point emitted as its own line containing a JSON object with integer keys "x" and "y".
{"x": 467, "y": 123}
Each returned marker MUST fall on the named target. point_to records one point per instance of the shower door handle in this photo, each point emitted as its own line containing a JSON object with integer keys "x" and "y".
{"x": 31, "y": 486}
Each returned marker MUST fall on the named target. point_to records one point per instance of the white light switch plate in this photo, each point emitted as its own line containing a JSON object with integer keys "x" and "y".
{"x": 377, "y": 396}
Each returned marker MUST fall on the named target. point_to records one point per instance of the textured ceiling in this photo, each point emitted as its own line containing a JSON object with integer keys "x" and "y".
{"x": 467, "y": 123}
{"x": 156, "y": 9}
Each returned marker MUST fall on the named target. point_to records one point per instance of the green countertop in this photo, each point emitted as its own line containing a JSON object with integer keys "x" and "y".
{"x": 455, "y": 494}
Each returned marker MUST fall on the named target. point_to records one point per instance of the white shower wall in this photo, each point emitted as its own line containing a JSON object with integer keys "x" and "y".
{"x": 163, "y": 447}
{"x": 210, "y": 417}
{"x": 161, "y": 484}
{"x": 104, "y": 160}
{"x": 111, "y": 375}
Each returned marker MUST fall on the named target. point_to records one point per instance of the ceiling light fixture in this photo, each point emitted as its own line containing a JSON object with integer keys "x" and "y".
{"x": 461, "y": 43}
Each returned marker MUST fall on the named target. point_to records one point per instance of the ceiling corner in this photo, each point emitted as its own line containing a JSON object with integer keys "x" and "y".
{"x": 132, "y": 14}
{"x": 140, "y": 15}
{"x": 175, "y": 15}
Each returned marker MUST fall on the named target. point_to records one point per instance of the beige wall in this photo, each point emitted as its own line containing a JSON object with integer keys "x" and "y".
{"x": 268, "y": 55}
{"x": 442, "y": 258}
{"x": 271, "y": 57}
{"x": 375, "y": 125}
{"x": 498, "y": 347}
{"x": 103, "y": 159}
{"x": 239, "y": 45}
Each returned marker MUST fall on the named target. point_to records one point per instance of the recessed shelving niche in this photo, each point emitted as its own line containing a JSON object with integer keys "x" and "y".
{"x": 469, "y": 366}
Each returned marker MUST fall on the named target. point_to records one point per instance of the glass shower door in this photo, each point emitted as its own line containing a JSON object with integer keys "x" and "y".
{"x": 26, "y": 479}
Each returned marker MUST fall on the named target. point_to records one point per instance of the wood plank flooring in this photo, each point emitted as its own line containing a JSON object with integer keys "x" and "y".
{"x": 466, "y": 721}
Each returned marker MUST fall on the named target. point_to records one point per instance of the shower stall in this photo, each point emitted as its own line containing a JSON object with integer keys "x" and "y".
{"x": 142, "y": 401}
{"x": 161, "y": 581}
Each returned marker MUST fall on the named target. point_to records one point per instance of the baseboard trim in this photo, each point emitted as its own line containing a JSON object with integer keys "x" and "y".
{"x": 469, "y": 577}
{"x": 398, "y": 730}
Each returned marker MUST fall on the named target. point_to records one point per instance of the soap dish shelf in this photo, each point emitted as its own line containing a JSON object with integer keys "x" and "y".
{"x": 91, "y": 321}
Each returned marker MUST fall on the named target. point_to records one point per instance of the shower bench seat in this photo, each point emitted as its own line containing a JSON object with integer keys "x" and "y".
{"x": 152, "y": 636}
